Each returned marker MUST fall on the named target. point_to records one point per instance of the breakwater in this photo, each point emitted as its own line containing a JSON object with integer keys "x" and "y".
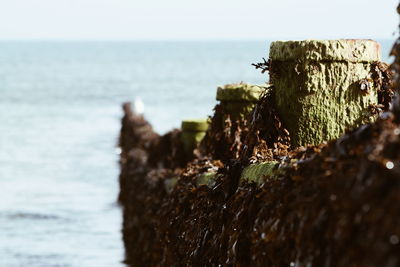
{"x": 249, "y": 194}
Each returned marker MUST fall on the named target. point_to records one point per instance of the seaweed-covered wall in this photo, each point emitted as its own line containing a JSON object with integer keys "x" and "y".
{"x": 332, "y": 208}
{"x": 266, "y": 202}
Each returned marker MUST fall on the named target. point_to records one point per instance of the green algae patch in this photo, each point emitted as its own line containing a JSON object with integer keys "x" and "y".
{"x": 207, "y": 178}
{"x": 256, "y": 172}
{"x": 193, "y": 131}
{"x": 323, "y": 88}
{"x": 197, "y": 125}
{"x": 240, "y": 92}
{"x": 239, "y": 99}
{"x": 191, "y": 139}
{"x": 353, "y": 50}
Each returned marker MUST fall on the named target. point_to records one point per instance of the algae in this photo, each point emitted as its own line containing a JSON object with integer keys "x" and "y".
{"x": 333, "y": 205}
{"x": 197, "y": 125}
{"x": 348, "y": 50}
{"x": 256, "y": 172}
{"x": 240, "y": 99}
{"x": 193, "y": 131}
{"x": 240, "y": 92}
{"x": 318, "y": 94}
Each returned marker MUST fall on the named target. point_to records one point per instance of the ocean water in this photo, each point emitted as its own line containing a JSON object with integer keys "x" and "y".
{"x": 60, "y": 111}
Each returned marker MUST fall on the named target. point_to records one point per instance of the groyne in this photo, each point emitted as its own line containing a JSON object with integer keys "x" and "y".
{"x": 269, "y": 188}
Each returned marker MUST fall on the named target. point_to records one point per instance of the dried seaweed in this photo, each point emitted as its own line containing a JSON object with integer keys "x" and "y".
{"x": 147, "y": 161}
{"x": 225, "y": 138}
{"x": 382, "y": 77}
{"x": 335, "y": 204}
{"x": 268, "y": 139}
{"x": 263, "y": 66}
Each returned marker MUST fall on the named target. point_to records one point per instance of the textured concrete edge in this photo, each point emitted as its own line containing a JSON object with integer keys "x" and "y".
{"x": 195, "y": 125}
{"x": 241, "y": 92}
{"x": 354, "y": 50}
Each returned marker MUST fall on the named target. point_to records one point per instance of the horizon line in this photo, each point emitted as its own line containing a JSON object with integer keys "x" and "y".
{"x": 177, "y": 39}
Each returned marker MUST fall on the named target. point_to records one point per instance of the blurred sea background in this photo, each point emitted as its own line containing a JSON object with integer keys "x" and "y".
{"x": 60, "y": 111}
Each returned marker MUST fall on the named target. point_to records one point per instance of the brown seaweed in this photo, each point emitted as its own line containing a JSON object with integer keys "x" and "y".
{"x": 335, "y": 204}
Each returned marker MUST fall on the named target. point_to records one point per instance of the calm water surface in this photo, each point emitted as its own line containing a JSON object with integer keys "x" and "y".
{"x": 59, "y": 122}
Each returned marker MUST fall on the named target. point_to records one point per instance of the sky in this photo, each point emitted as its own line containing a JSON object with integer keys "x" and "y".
{"x": 200, "y": 19}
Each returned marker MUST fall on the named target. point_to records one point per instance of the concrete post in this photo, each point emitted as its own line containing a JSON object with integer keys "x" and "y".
{"x": 239, "y": 99}
{"x": 323, "y": 87}
{"x": 193, "y": 131}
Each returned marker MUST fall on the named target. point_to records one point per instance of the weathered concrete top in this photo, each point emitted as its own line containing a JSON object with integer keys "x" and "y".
{"x": 240, "y": 92}
{"x": 195, "y": 125}
{"x": 354, "y": 50}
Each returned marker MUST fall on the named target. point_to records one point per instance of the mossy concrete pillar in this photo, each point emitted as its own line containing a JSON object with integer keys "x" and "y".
{"x": 239, "y": 99}
{"x": 193, "y": 131}
{"x": 323, "y": 87}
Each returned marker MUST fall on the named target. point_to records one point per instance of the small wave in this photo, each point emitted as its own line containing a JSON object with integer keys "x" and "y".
{"x": 32, "y": 216}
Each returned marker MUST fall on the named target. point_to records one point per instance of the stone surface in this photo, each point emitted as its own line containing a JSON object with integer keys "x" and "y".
{"x": 192, "y": 139}
{"x": 195, "y": 125}
{"x": 239, "y": 99}
{"x": 240, "y": 92}
{"x": 323, "y": 88}
{"x": 193, "y": 131}
{"x": 352, "y": 50}
{"x": 256, "y": 172}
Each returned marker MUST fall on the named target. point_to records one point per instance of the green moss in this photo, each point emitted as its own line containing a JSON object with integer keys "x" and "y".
{"x": 319, "y": 100}
{"x": 191, "y": 140}
{"x": 239, "y": 110}
{"x": 331, "y": 50}
{"x": 193, "y": 131}
{"x": 241, "y": 92}
{"x": 239, "y": 100}
{"x": 195, "y": 125}
{"x": 207, "y": 178}
{"x": 256, "y": 172}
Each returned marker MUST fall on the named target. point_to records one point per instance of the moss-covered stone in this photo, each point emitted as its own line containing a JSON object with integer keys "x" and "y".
{"x": 240, "y": 92}
{"x": 200, "y": 125}
{"x": 256, "y": 172}
{"x": 191, "y": 140}
{"x": 240, "y": 99}
{"x": 323, "y": 87}
{"x": 193, "y": 131}
{"x": 353, "y": 50}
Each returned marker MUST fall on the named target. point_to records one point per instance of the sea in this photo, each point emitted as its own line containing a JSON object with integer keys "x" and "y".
{"x": 60, "y": 113}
